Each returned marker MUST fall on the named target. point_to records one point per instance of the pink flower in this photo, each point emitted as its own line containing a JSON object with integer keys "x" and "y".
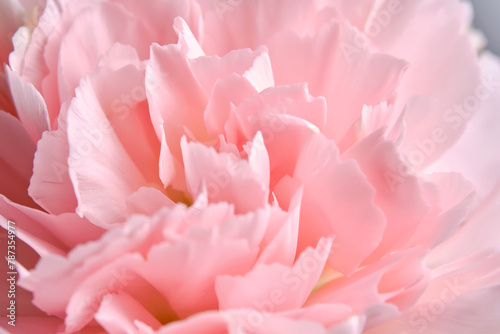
{"x": 250, "y": 166}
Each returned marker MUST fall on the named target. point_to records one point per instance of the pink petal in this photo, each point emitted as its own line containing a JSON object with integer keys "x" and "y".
{"x": 451, "y": 197}
{"x": 194, "y": 263}
{"x": 398, "y": 193}
{"x": 104, "y": 18}
{"x": 30, "y": 106}
{"x": 64, "y": 231}
{"x": 336, "y": 193}
{"x": 482, "y": 131}
{"x": 148, "y": 201}
{"x": 480, "y": 231}
{"x": 101, "y": 150}
{"x": 274, "y": 288}
{"x": 159, "y": 16}
{"x": 422, "y": 26}
{"x": 225, "y": 177}
{"x": 202, "y": 323}
{"x": 120, "y": 312}
{"x": 237, "y": 25}
{"x": 16, "y": 159}
{"x": 347, "y": 81}
{"x": 50, "y": 185}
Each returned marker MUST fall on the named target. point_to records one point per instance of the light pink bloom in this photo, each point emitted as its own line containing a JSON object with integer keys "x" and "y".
{"x": 253, "y": 166}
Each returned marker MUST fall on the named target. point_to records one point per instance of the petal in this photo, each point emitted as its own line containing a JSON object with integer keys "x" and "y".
{"x": 202, "y": 323}
{"x": 119, "y": 313}
{"x": 347, "y": 80}
{"x": 445, "y": 100}
{"x": 238, "y": 24}
{"x": 148, "y": 201}
{"x": 451, "y": 197}
{"x": 63, "y": 232}
{"x": 227, "y": 177}
{"x": 16, "y": 159}
{"x": 30, "y": 106}
{"x": 479, "y": 232}
{"x": 104, "y": 18}
{"x": 208, "y": 255}
{"x": 398, "y": 193}
{"x": 50, "y": 185}
{"x": 336, "y": 193}
{"x": 479, "y": 165}
{"x": 274, "y": 288}
{"x": 99, "y": 136}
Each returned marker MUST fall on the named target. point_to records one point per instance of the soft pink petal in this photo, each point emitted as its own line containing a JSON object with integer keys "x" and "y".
{"x": 431, "y": 118}
{"x": 148, "y": 201}
{"x": 81, "y": 47}
{"x": 202, "y": 323}
{"x": 6, "y": 102}
{"x": 226, "y": 177}
{"x": 347, "y": 81}
{"x": 472, "y": 154}
{"x": 30, "y": 106}
{"x": 237, "y": 25}
{"x": 50, "y": 185}
{"x": 193, "y": 264}
{"x": 98, "y": 154}
{"x": 398, "y": 193}
{"x": 11, "y": 19}
{"x": 119, "y": 312}
{"x": 338, "y": 201}
{"x": 63, "y": 232}
{"x": 16, "y": 159}
{"x": 480, "y": 231}
{"x": 274, "y": 288}
{"x": 451, "y": 197}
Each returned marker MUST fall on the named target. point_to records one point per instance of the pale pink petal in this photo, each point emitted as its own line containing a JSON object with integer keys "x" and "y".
{"x": 159, "y": 16}
{"x": 253, "y": 321}
{"x": 11, "y": 19}
{"x": 53, "y": 286}
{"x": 451, "y": 197}
{"x": 193, "y": 264}
{"x": 274, "y": 288}
{"x": 347, "y": 81}
{"x": 480, "y": 231}
{"x": 329, "y": 315}
{"x": 16, "y": 159}
{"x": 472, "y": 154}
{"x": 473, "y": 312}
{"x": 112, "y": 278}
{"x": 338, "y": 201}
{"x": 35, "y": 57}
{"x": 355, "y": 11}
{"x": 148, "y": 201}
{"x": 75, "y": 64}
{"x": 202, "y": 323}
{"x": 225, "y": 94}
{"x": 171, "y": 86}
{"x": 50, "y": 185}
{"x": 98, "y": 154}
{"x": 436, "y": 118}
{"x": 6, "y": 102}
{"x": 398, "y": 193}
{"x": 226, "y": 177}
{"x": 30, "y": 106}
{"x": 64, "y": 231}
{"x": 279, "y": 243}
{"x": 361, "y": 289}
{"x": 119, "y": 313}
{"x": 240, "y": 24}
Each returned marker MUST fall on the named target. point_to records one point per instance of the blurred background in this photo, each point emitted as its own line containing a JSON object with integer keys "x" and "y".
{"x": 487, "y": 19}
